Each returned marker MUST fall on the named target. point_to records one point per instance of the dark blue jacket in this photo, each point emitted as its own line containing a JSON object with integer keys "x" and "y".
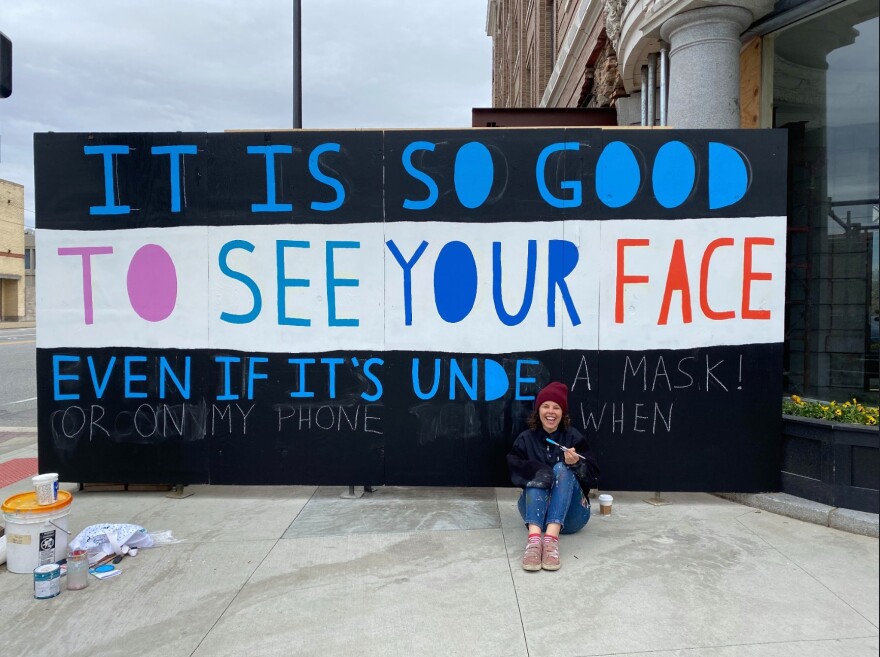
{"x": 531, "y": 459}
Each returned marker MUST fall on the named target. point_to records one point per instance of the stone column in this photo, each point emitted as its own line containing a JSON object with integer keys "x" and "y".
{"x": 704, "y": 50}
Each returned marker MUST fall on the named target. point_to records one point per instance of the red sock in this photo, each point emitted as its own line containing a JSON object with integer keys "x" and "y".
{"x": 549, "y": 538}
{"x": 534, "y": 538}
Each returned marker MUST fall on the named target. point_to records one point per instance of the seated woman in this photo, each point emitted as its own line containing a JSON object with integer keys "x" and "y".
{"x": 556, "y": 477}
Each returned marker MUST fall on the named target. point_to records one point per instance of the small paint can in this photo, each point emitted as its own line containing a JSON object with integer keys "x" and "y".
{"x": 47, "y": 581}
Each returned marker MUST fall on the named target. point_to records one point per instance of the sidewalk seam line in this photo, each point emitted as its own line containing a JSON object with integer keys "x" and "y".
{"x": 245, "y": 583}
{"x": 807, "y": 572}
{"x": 726, "y": 645}
{"x": 749, "y": 529}
{"x": 512, "y": 579}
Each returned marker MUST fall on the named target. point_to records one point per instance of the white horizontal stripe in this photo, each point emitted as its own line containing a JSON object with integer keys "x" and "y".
{"x": 378, "y": 301}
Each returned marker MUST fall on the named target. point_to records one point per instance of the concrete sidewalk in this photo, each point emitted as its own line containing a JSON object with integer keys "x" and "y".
{"x": 265, "y": 571}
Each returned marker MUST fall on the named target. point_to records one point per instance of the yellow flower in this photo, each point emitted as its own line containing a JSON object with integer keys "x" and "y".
{"x": 834, "y": 403}
{"x": 846, "y": 405}
{"x": 838, "y": 412}
{"x": 824, "y": 408}
{"x": 796, "y": 399}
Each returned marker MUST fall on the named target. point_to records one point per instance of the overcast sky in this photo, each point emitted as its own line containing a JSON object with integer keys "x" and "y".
{"x": 199, "y": 65}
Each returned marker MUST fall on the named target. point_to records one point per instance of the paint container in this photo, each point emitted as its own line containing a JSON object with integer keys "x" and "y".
{"x": 46, "y": 487}
{"x": 77, "y": 570}
{"x": 47, "y": 581}
{"x": 605, "y": 501}
{"x": 36, "y": 534}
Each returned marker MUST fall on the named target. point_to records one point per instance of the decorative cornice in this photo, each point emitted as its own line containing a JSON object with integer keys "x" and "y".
{"x": 641, "y": 22}
{"x": 658, "y": 12}
{"x": 614, "y": 20}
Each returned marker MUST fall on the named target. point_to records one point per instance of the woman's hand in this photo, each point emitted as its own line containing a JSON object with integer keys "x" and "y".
{"x": 571, "y": 456}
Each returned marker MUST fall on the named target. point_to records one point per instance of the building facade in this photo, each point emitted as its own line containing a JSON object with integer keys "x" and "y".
{"x": 807, "y": 66}
{"x": 12, "y": 276}
{"x": 30, "y": 275}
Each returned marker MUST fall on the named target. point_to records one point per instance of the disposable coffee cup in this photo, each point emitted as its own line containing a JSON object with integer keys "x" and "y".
{"x": 605, "y": 501}
{"x": 46, "y": 486}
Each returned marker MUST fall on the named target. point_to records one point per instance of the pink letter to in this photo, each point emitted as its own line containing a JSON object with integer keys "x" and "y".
{"x": 86, "y": 252}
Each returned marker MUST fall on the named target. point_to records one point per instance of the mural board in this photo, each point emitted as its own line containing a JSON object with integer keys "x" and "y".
{"x": 380, "y": 307}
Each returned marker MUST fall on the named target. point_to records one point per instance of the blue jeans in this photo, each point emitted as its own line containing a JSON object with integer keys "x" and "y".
{"x": 564, "y": 503}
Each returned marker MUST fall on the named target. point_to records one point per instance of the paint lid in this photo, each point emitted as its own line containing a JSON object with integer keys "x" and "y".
{"x": 27, "y": 503}
{"x": 47, "y": 569}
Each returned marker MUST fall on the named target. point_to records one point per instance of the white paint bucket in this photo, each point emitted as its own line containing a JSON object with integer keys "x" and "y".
{"x": 35, "y": 534}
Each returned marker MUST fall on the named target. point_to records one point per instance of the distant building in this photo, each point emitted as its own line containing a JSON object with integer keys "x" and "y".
{"x": 809, "y": 66}
{"x": 12, "y": 277}
{"x": 30, "y": 271}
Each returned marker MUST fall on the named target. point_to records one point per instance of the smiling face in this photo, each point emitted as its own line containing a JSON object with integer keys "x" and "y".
{"x": 551, "y": 415}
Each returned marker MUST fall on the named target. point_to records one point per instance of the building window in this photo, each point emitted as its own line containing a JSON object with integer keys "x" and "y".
{"x": 825, "y": 93}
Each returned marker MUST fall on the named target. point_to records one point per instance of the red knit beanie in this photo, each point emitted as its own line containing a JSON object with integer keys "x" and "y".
{"x": 555, "y": 392}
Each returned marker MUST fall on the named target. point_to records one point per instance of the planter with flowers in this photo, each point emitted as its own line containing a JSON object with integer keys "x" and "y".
{"x": 831, "y": 453}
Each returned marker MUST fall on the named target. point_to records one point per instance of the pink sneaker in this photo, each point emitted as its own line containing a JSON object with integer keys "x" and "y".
{"x": 532, "y": 558}
{"x": 550, "y": 557}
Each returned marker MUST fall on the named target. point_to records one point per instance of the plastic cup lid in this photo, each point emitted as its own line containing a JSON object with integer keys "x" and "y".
{"x": 41, "y": 478}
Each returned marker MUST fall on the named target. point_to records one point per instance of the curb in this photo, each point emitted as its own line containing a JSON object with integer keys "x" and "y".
{"x": 854, "y": 522}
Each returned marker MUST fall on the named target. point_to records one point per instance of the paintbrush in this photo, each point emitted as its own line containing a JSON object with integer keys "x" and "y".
{"x": 570, "y": 450}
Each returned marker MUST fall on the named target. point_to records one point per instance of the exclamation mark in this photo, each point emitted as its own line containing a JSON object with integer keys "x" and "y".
{"x": 739, "y": 387}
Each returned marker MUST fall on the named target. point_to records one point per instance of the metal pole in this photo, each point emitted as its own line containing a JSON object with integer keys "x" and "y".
{"x": 657, "y": 500}
{"x": 297, "y": 64}
{"x": 644, "y": 95}
{"x": 652, "y": 85}
{"x": 664, "y": 85}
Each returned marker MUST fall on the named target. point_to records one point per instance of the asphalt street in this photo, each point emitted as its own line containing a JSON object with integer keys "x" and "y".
{"x": 18, "y": 381}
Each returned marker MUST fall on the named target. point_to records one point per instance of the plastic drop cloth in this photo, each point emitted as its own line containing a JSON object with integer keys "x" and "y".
{"x": 108, "y": 538}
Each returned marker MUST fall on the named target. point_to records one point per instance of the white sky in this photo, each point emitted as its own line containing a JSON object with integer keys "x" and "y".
{"x": 199, "y": 65}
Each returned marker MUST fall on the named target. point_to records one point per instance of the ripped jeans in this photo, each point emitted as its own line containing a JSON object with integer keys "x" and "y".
{"x": 562, "y": 503}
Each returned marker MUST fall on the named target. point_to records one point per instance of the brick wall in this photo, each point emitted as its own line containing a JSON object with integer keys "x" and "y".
{"x": 523, "y": 49}
{"x": 565, "y": 12}
{"x": 527, "y": 36}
